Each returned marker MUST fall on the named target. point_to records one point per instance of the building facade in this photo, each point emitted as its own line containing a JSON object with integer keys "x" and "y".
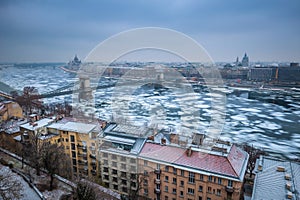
{"x": 172, "y": 172}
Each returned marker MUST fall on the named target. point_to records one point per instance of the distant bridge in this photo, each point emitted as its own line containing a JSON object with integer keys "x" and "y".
{"x": 65, "y": 90}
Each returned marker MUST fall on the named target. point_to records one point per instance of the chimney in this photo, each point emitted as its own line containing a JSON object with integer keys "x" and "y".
{"x": 189, "y": 152}
{"x": 174, "y": 138}
{"x": 151, "y": 137}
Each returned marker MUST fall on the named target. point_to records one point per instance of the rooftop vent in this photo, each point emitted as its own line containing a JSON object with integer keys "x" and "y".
{"x": 189, "y": 152}
{"x": 287, "y": 177}
{"x": 280, "y": 169}
{"x": 288, "y": 185}
{"x": 289, "y": 195}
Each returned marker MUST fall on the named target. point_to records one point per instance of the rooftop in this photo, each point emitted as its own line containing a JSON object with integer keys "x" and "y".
{"x": 126, "y": 130}
{"x": 36, "y": 125}
{"x": 74, "y": 127}
{"x": 272, "y": 183}
{"x": 233, "y": 165}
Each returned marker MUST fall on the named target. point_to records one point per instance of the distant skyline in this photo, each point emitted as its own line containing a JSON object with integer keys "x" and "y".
{"x": 56, "y": 30}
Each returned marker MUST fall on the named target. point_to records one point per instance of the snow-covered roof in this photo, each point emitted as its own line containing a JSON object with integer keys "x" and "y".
{"x": 77, "y": 127}
{"x": 38, "y": 124}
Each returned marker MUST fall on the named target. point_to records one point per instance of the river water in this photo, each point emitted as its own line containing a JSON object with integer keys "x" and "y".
{"x": 270, "y": 120}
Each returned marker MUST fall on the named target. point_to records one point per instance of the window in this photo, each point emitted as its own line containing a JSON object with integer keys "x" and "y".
{"x": 67, "y": 140}
{"x": 167, "y": 168}
{"x": 145, "y": 191}
{"x": 74, "y": 169}
{"x": 200, "y": 188}
{"x": 174, "y": 181}
{"x": 114, "y": 157}
{"x": 208, "y": 198}
{"x": 106, "y": 177}
{"x": 105, "y": 155}
{"x": 166, "y": 188}
{"x": 105, "y": 162}
{"x": 72, "y": 138}
{"x": 218, "y": 192}
{"x": 73, "y": 154}
{"x": 200, "y": 198}
{"x": 133, "y": 176}
{"x": 124, "y": 182}
{"x": 157, "y": 166}
{"x": 182, "y": 172}
{"x": 191, "y": 191}
{"x": 132, "y": 168}
{"x": 105, "y": 169}
{"x": 123, "y": 174}
{"x": 167, "y": 178}
{"x": 114, "y": 164}
{"x": 219, "y": 181}
{"x": 181, "y": 183}
{"x": 145, "y": 163}
{"x": 191, "y": 177}
{"x": 132, "y": 160}
{"x": 124, "y": 189}
{"x": 133, "y": 184}
{"x": 73, "y": 146}
{"x": 145, "y": 172}
{"x": 201, "y": 178}
{"x": 115, "y": 187}
{"x": 114, "y": 171}
{"x": 174, "y": 191}
{"x": 74, "y": 161}
{"x": 230, "y": 183}
{"x": 210, "y": 178}
{"x": 123, "y": 166}
{"x": 208, "y": 189}
{"x": 145, "y": 182}
{"x": 115, "y": 179}
{"x": 166, "y": 197}
{"x": 174, "y": 170}
{"x": 181, "y": 193}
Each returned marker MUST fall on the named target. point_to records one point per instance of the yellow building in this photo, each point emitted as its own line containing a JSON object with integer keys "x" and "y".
{"x": 9, "y": 109}
{"x": 80, "y": 142}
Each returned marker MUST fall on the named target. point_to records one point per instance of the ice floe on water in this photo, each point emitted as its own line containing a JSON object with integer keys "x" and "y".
{"x": 269, "y": 125}
{"x": 272, "y": 126}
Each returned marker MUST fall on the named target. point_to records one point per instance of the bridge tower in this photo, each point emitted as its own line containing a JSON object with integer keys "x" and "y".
{"x": 85, "y": 90}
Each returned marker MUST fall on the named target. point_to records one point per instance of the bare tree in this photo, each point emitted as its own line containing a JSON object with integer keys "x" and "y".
{"x": 136, "y": 185}
{"x": 34, "y": 151}
{"x": 29, "y": 99}
{"x": 254, "y": 154}
{"x": 10, "y": 186}
{"x": 85, "y": 191}
{"x": 55, "y": 161}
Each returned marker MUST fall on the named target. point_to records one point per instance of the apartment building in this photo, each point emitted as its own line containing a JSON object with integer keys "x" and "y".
{"x": 78, "y": 138}
{"x": 80, "y": 143}
{"x": 119, "y": 146}
{"x": 172, "y": 172}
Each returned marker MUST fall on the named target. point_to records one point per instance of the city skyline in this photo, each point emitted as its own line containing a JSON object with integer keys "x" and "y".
{"x": 54, "y": 31}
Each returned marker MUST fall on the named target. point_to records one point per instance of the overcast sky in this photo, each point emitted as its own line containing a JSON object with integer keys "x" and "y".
{"x": 56, "y": 30}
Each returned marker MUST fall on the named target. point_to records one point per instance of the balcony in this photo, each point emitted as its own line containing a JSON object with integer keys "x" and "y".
{"x": 93, "y": 156}
{"x": 229, "y": 189}
{"x": 157, "y": 171}
{"x": 157, "y": 191}
{"x": 157, "y": 181}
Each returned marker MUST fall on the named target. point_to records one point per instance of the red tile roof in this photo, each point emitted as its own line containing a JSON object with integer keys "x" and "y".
{"x": 231, "y": 165}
